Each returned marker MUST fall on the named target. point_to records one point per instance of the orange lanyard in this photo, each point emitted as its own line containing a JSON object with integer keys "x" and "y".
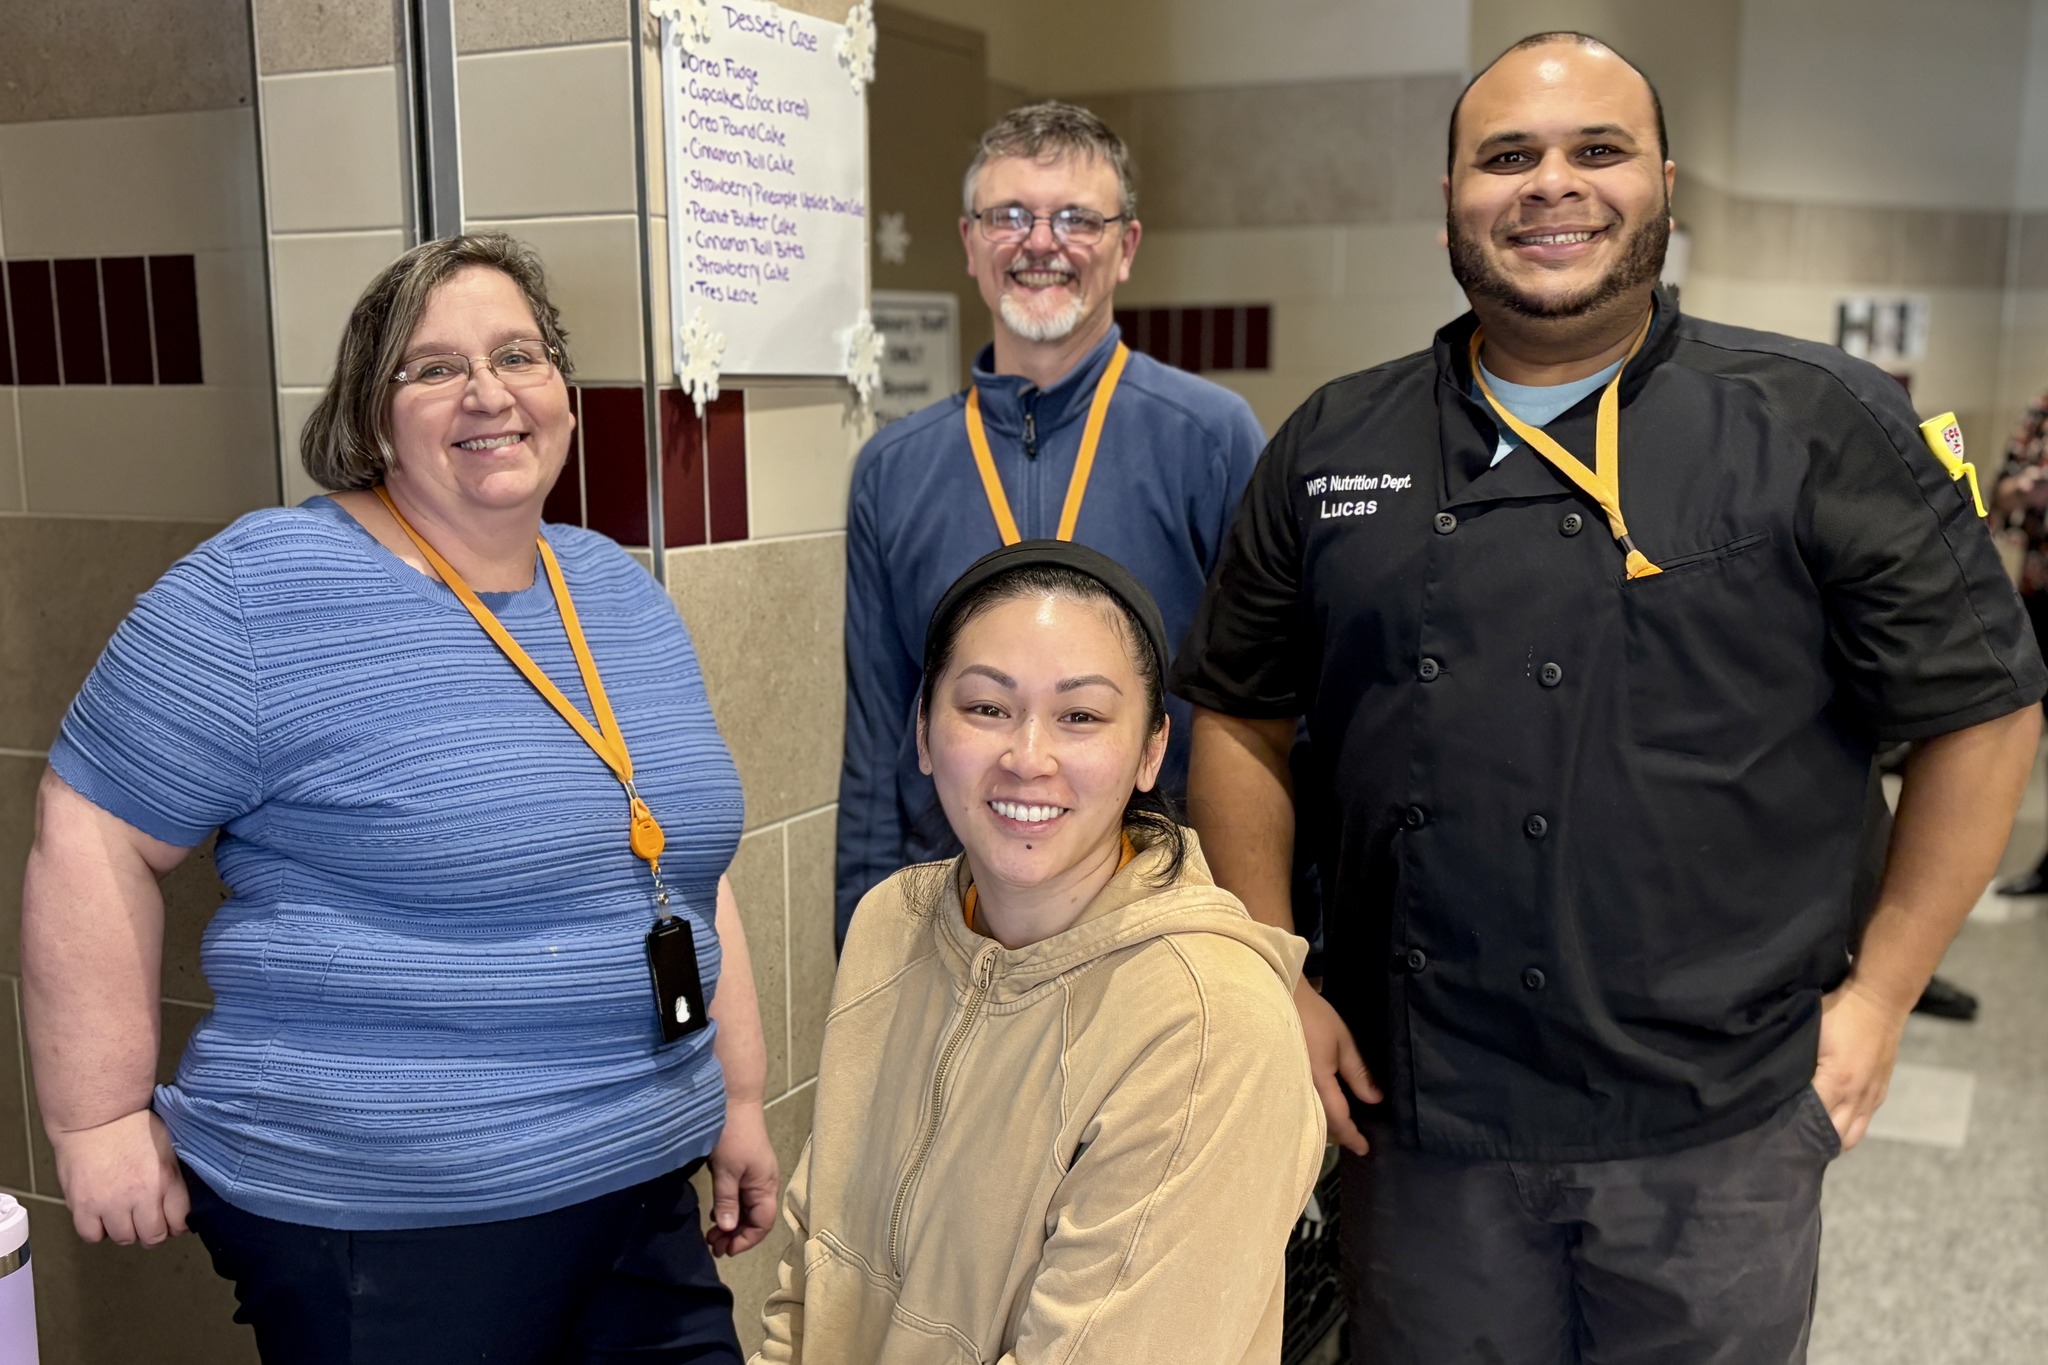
{"x": 1602, "y": 482}
{"x": 605, "y": 739}
{"x": 1084, "y": 463}
{"x": 972, "y": 897}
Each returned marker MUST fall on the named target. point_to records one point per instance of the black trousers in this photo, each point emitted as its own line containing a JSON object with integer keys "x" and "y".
{"x": 1705, "y": 1256}
{"x": 624, "y": 1277}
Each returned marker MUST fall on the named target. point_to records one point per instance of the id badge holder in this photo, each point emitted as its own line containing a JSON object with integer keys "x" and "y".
{"x": 678, "y": 986}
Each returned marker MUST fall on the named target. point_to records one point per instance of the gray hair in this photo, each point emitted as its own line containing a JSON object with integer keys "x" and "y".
{"x": 1049, "y": 131}
{"x": 346, "y": 443}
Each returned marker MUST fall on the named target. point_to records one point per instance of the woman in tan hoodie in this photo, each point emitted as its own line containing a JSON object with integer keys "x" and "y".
{"x": 1064, "y": 1114}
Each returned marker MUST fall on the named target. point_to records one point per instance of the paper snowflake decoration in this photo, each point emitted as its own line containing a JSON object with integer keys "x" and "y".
{"x": 864, "y": 358}
{"x": 857, "y": 46}
{"x": 703, "y": 349}
{"x": 689, "y": 22}
{"x": 892, "y": 239}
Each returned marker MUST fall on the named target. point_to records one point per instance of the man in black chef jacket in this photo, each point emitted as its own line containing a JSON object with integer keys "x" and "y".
{"x": 1597, "y": 614}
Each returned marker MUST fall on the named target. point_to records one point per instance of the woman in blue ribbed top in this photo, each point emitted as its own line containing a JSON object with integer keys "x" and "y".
{"x": 442, "y": 1110}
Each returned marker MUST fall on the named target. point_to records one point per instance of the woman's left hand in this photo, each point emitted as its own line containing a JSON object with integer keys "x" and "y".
{"x": 745, "y": 1181}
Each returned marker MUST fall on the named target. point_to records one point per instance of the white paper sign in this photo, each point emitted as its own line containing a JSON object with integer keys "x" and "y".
{"x": 1887, "y": 332}
{"x": 920, "y": 351}
{"x": 767, "y": 189}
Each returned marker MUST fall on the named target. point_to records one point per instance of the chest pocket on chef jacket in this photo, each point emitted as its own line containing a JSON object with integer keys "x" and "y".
{"x": 1704, "y": 651}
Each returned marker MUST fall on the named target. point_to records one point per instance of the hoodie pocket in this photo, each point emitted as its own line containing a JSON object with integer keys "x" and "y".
{"x": 852, "y": 1312}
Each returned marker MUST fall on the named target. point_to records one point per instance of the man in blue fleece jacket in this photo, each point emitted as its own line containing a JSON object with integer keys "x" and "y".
{"x": 1050, "y": 227}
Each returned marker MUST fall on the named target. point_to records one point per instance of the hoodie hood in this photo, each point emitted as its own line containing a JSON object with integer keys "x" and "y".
{"x": 1132, "y": 909}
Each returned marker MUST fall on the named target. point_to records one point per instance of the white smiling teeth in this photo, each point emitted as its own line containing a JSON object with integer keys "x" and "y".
{"x": 1029, "y": 815}
{"x": 1559, "y": 239}
{"x": 490, "y": 442}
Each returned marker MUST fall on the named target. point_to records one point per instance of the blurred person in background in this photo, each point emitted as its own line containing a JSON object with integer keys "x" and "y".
{"x": 468, "y": 790}
{"x": 2021, "y": 499}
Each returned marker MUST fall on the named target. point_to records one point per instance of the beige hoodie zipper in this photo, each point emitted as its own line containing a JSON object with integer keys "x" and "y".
{"x": 984, "y": 975}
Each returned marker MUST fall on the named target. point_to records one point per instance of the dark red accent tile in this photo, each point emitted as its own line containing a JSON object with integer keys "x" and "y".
{"x": 615, "y": 463}
{"x": 174, "y": 302}
{"x": 1131, "y": 322}
{"x": 683, "y": 515}
{"x": 565, "y": 499}
{"x": 1159, "y": 334}
{"x": 1222, "y": 352}
{"x": 1258, "y": 337}
{"x": 124, "y": 288}
{"x": 6, "y": 342}
{"x": 725, "y": 441}
{"x": 81, "y": 340}
{"x": 32, "y": 305}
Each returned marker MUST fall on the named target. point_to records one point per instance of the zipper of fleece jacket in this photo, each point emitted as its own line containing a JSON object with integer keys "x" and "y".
{"x": 984, "y": 976}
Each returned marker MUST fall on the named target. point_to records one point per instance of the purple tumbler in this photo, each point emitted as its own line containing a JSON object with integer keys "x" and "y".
{"x": 17, "y": 1286}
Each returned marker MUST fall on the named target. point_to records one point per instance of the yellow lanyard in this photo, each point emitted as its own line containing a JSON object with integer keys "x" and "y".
{"x": 645, "y": 834}
{"x": 1602, "y": 482}
{"x": 1084, "y": 463}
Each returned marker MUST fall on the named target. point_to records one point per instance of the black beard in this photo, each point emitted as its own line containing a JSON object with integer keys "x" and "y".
{"x": 1641, "y": 263}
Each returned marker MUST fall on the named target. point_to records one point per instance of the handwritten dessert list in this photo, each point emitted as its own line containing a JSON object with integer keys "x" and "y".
{"x": 767, "y": 189}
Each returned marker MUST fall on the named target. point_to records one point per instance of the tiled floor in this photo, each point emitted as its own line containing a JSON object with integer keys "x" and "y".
{"x": 1936, "y": 1247}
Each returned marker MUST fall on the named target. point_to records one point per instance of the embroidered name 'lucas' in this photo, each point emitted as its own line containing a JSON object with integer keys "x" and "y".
{"x": 1348, "y": 483}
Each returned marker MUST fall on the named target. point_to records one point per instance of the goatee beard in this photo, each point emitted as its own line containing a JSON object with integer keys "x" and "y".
{"x": 1642, "y": 261}
{"x": 1034, "y": 327}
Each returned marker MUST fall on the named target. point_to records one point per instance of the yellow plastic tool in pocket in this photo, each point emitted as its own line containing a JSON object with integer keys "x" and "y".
{"x": 1944, "y": 436}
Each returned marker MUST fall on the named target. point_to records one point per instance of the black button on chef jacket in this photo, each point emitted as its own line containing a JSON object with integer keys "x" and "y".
{"x": 1643, "y": 796}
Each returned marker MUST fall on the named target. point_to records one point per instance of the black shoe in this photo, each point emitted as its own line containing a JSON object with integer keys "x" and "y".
{"x": 2035, "y": 883}
{"x": 1946, "y": 1001}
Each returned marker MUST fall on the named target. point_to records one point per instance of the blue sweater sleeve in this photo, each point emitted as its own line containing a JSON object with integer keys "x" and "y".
{"x": 164, "y": 734}
{"x": 881, "y": 690}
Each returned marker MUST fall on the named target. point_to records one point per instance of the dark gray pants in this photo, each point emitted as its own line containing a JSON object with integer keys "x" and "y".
{"x": 1705, "y": 1256}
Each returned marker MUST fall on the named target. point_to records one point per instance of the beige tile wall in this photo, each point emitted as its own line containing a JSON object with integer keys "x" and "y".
{"x": 171, "y": 184}
{"x": 547, "y": 133}
{"x": 593, "y": 269}
{"x": 494, "y": 25}
{"x": 316, "y": 278}
{"x": 335, "y": 145}
{"x": 566, "y": 183}
{"x": 1343, "y": 297}
{"x": 1743, "y": 237}
{"x": 92, "y": 58}
{"x": 194, "y": 453}
{"x": 159, "y": 183}
{"x": 294, "y": 406}
{"x": 801, "y": 442}
{"x": 766, "y": 616}
{"x": 65, "y": 582}
{"x": 1360, "y": 150}
{"x": 323, "y": 35}
{"x": 333, "y": 129}
{"x": 13, "y": 495}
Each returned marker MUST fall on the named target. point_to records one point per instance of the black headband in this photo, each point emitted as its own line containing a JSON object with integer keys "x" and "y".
{"x": 1060, "y": 554}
